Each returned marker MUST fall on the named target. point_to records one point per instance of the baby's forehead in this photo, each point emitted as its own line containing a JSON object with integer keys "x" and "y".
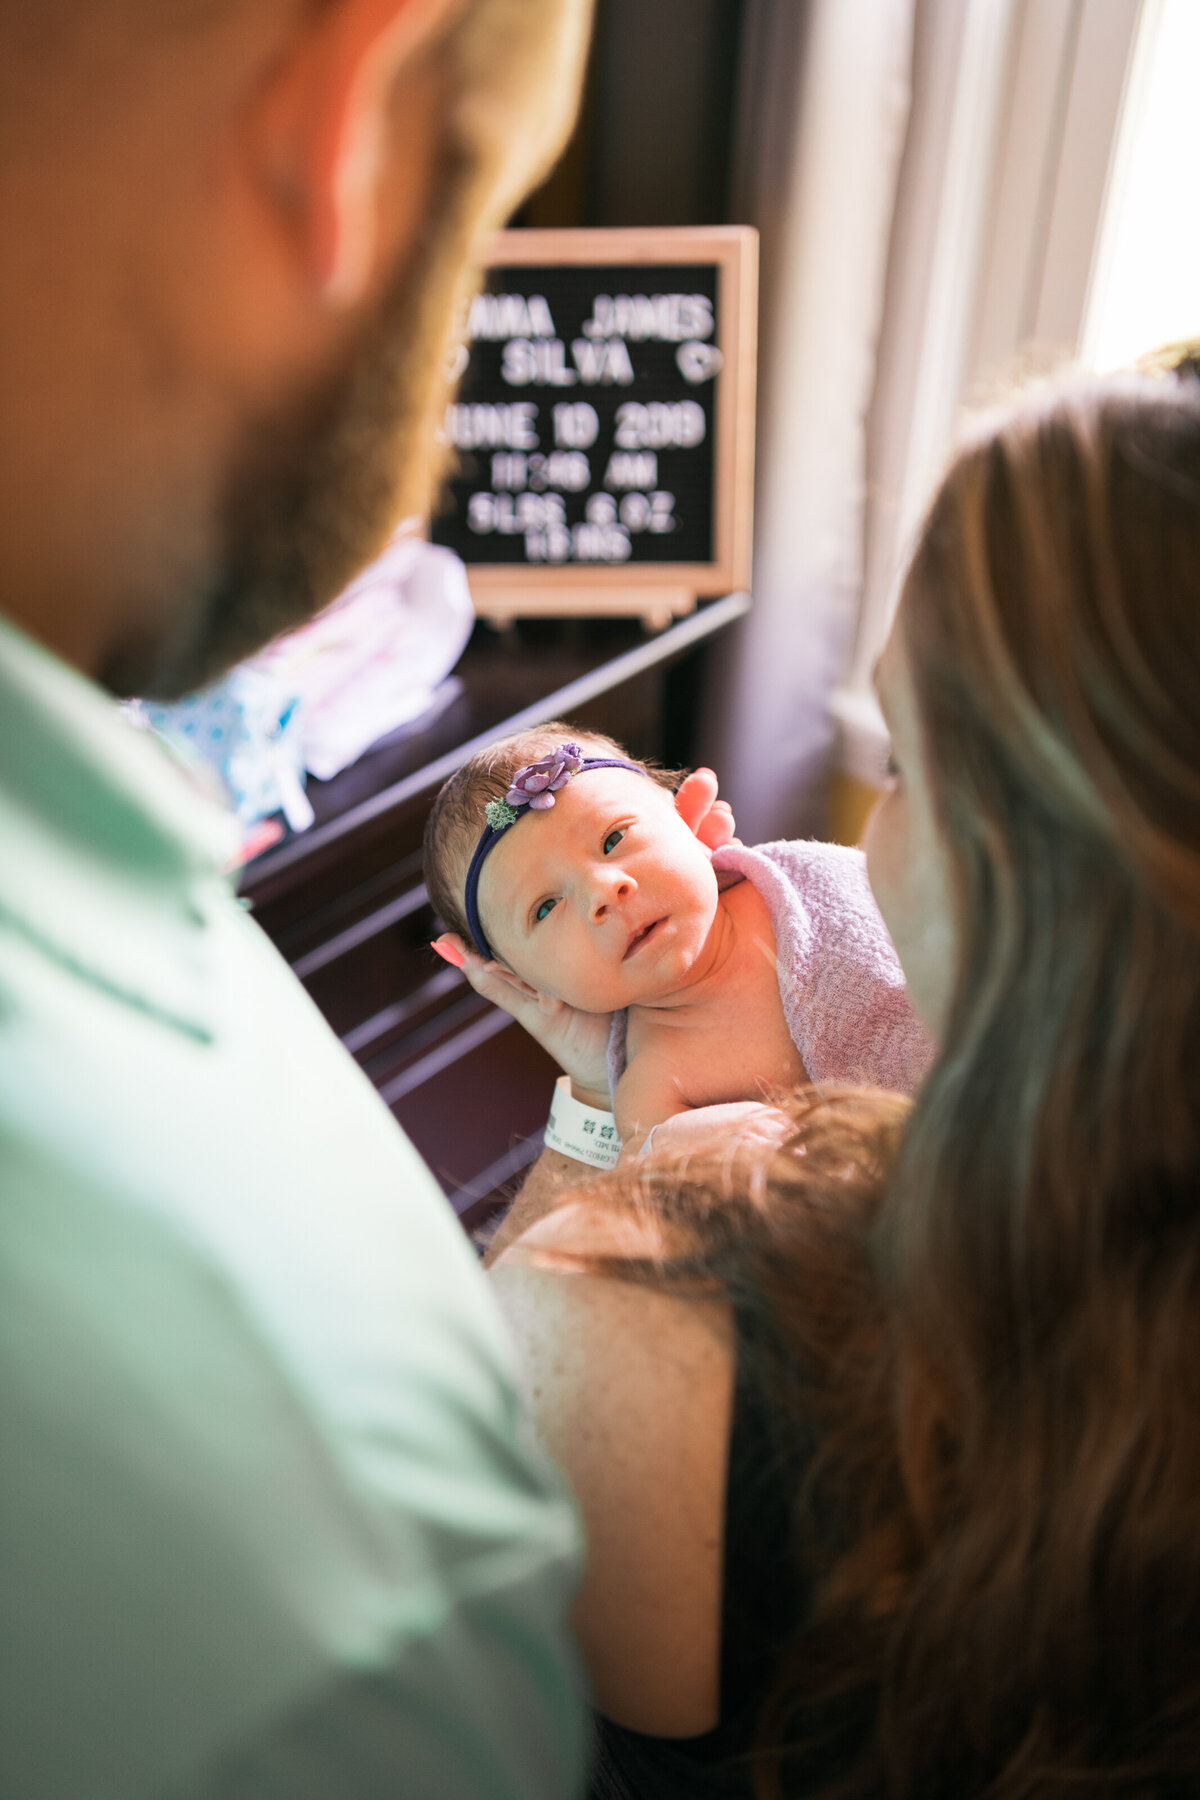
{"x": 632, "y": 781}
{"x": 595, "y": 791}
{"x": 591, "y": 796}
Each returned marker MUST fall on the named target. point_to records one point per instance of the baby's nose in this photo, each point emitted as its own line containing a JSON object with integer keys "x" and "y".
{"x": 612, "y": 887}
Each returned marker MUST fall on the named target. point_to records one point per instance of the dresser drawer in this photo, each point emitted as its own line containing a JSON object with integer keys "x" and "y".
{"x": 374, "y": 964}
{"x": 475, "y": 1106}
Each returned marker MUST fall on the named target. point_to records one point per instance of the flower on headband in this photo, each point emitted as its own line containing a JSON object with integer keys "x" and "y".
{"x": 537, "y": 783}
{"x": 499, "y": 813}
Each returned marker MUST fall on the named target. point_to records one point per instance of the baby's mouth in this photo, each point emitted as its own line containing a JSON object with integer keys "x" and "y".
{"x": 641, "y": 937}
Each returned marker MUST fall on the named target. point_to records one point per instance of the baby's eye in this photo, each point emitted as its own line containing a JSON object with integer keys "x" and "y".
{"x": 544, "y": 910}
{"x": 613, "y": 839}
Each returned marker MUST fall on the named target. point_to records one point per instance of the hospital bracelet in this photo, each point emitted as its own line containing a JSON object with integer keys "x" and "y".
{"x": 583, "y": 1132}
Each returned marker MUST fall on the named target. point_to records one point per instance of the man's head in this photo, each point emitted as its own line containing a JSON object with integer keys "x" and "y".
{"x": 604, "y": 900}
{"x": 238, "y": 232}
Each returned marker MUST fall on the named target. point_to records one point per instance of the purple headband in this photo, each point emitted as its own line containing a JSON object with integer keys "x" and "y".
{"x": 533, "y": 786}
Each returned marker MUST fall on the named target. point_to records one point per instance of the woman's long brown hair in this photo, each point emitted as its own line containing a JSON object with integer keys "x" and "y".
{"x": 1007, "y": 1500}
{"x": 1040, "y": 1247}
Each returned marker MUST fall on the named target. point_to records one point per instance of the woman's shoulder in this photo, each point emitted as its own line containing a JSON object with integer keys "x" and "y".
{"x": 630, "y": 1389}
{"x": 560, "y": 1270}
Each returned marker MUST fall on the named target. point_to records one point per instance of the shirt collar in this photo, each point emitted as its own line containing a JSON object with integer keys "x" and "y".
{"x": 112, "y": 860}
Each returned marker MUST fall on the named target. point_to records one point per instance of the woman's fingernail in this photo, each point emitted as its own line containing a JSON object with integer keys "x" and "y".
{"x": 448, "y": 953}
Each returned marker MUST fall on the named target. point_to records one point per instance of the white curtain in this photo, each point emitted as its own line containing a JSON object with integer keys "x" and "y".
{"x": 824, "y": 109}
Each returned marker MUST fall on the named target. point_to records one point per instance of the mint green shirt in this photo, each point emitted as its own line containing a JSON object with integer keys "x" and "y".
{"x": 270, "y": 1523}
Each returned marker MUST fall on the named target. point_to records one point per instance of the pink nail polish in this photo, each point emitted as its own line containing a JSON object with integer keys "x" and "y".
{"x": 448, "y": 953}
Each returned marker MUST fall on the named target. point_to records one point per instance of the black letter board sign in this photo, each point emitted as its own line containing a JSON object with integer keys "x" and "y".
{"x": 602, "y": 437}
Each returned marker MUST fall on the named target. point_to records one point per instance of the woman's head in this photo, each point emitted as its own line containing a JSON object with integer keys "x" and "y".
{"x": 1038, "y": 857}
{"x": 604, "y": 899}
{"x": 1042, "y": 675}
{"x": 1046, "y": 632}
{"x": 1041, "y": 1243}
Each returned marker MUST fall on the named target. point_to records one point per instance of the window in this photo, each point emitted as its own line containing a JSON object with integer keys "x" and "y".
{"x": 1145, "y": 288}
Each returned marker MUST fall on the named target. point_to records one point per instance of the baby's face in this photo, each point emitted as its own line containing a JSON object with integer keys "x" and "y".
{"x": 605, "y": 899}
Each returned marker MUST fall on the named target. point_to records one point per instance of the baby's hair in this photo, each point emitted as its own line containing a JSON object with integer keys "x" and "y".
{"x": 457, "y": 817}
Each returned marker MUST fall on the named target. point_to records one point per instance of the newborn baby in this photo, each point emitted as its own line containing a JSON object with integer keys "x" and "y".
{"x": 728, "y": 974}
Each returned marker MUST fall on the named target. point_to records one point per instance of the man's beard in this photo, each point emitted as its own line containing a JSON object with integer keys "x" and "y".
{"x": 312, "y": 496}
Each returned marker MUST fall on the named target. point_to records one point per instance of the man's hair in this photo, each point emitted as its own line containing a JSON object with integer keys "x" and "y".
{"x": 457, "y": 819}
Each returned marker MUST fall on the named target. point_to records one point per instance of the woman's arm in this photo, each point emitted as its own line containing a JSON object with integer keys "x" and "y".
{"x": 630, "y": 1392}
{"x": 551, "y": 1181}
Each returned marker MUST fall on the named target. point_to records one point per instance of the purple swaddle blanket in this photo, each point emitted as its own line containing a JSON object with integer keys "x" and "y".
{"x": 840, "y": 981}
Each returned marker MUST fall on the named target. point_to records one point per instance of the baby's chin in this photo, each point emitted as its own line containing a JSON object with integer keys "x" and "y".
{"x": 603, "y": 994}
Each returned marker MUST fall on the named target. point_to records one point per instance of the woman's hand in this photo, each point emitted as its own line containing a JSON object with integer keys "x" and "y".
{"x": 710, "y": 819}
{"x": 578, "y": 1041}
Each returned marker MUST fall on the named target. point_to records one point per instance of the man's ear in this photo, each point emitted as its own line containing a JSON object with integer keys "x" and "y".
{"x": 323, "y": 135}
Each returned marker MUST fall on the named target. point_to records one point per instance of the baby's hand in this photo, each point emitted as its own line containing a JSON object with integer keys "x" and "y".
{"x": 577, "y": 1041}
{"x": 710, "y": 819}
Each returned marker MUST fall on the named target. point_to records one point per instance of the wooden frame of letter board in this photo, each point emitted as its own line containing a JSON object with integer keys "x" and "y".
{"x": 656, "y": 591}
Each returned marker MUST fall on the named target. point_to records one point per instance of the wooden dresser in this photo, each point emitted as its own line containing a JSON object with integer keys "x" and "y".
{"x": 346, "y": 904}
